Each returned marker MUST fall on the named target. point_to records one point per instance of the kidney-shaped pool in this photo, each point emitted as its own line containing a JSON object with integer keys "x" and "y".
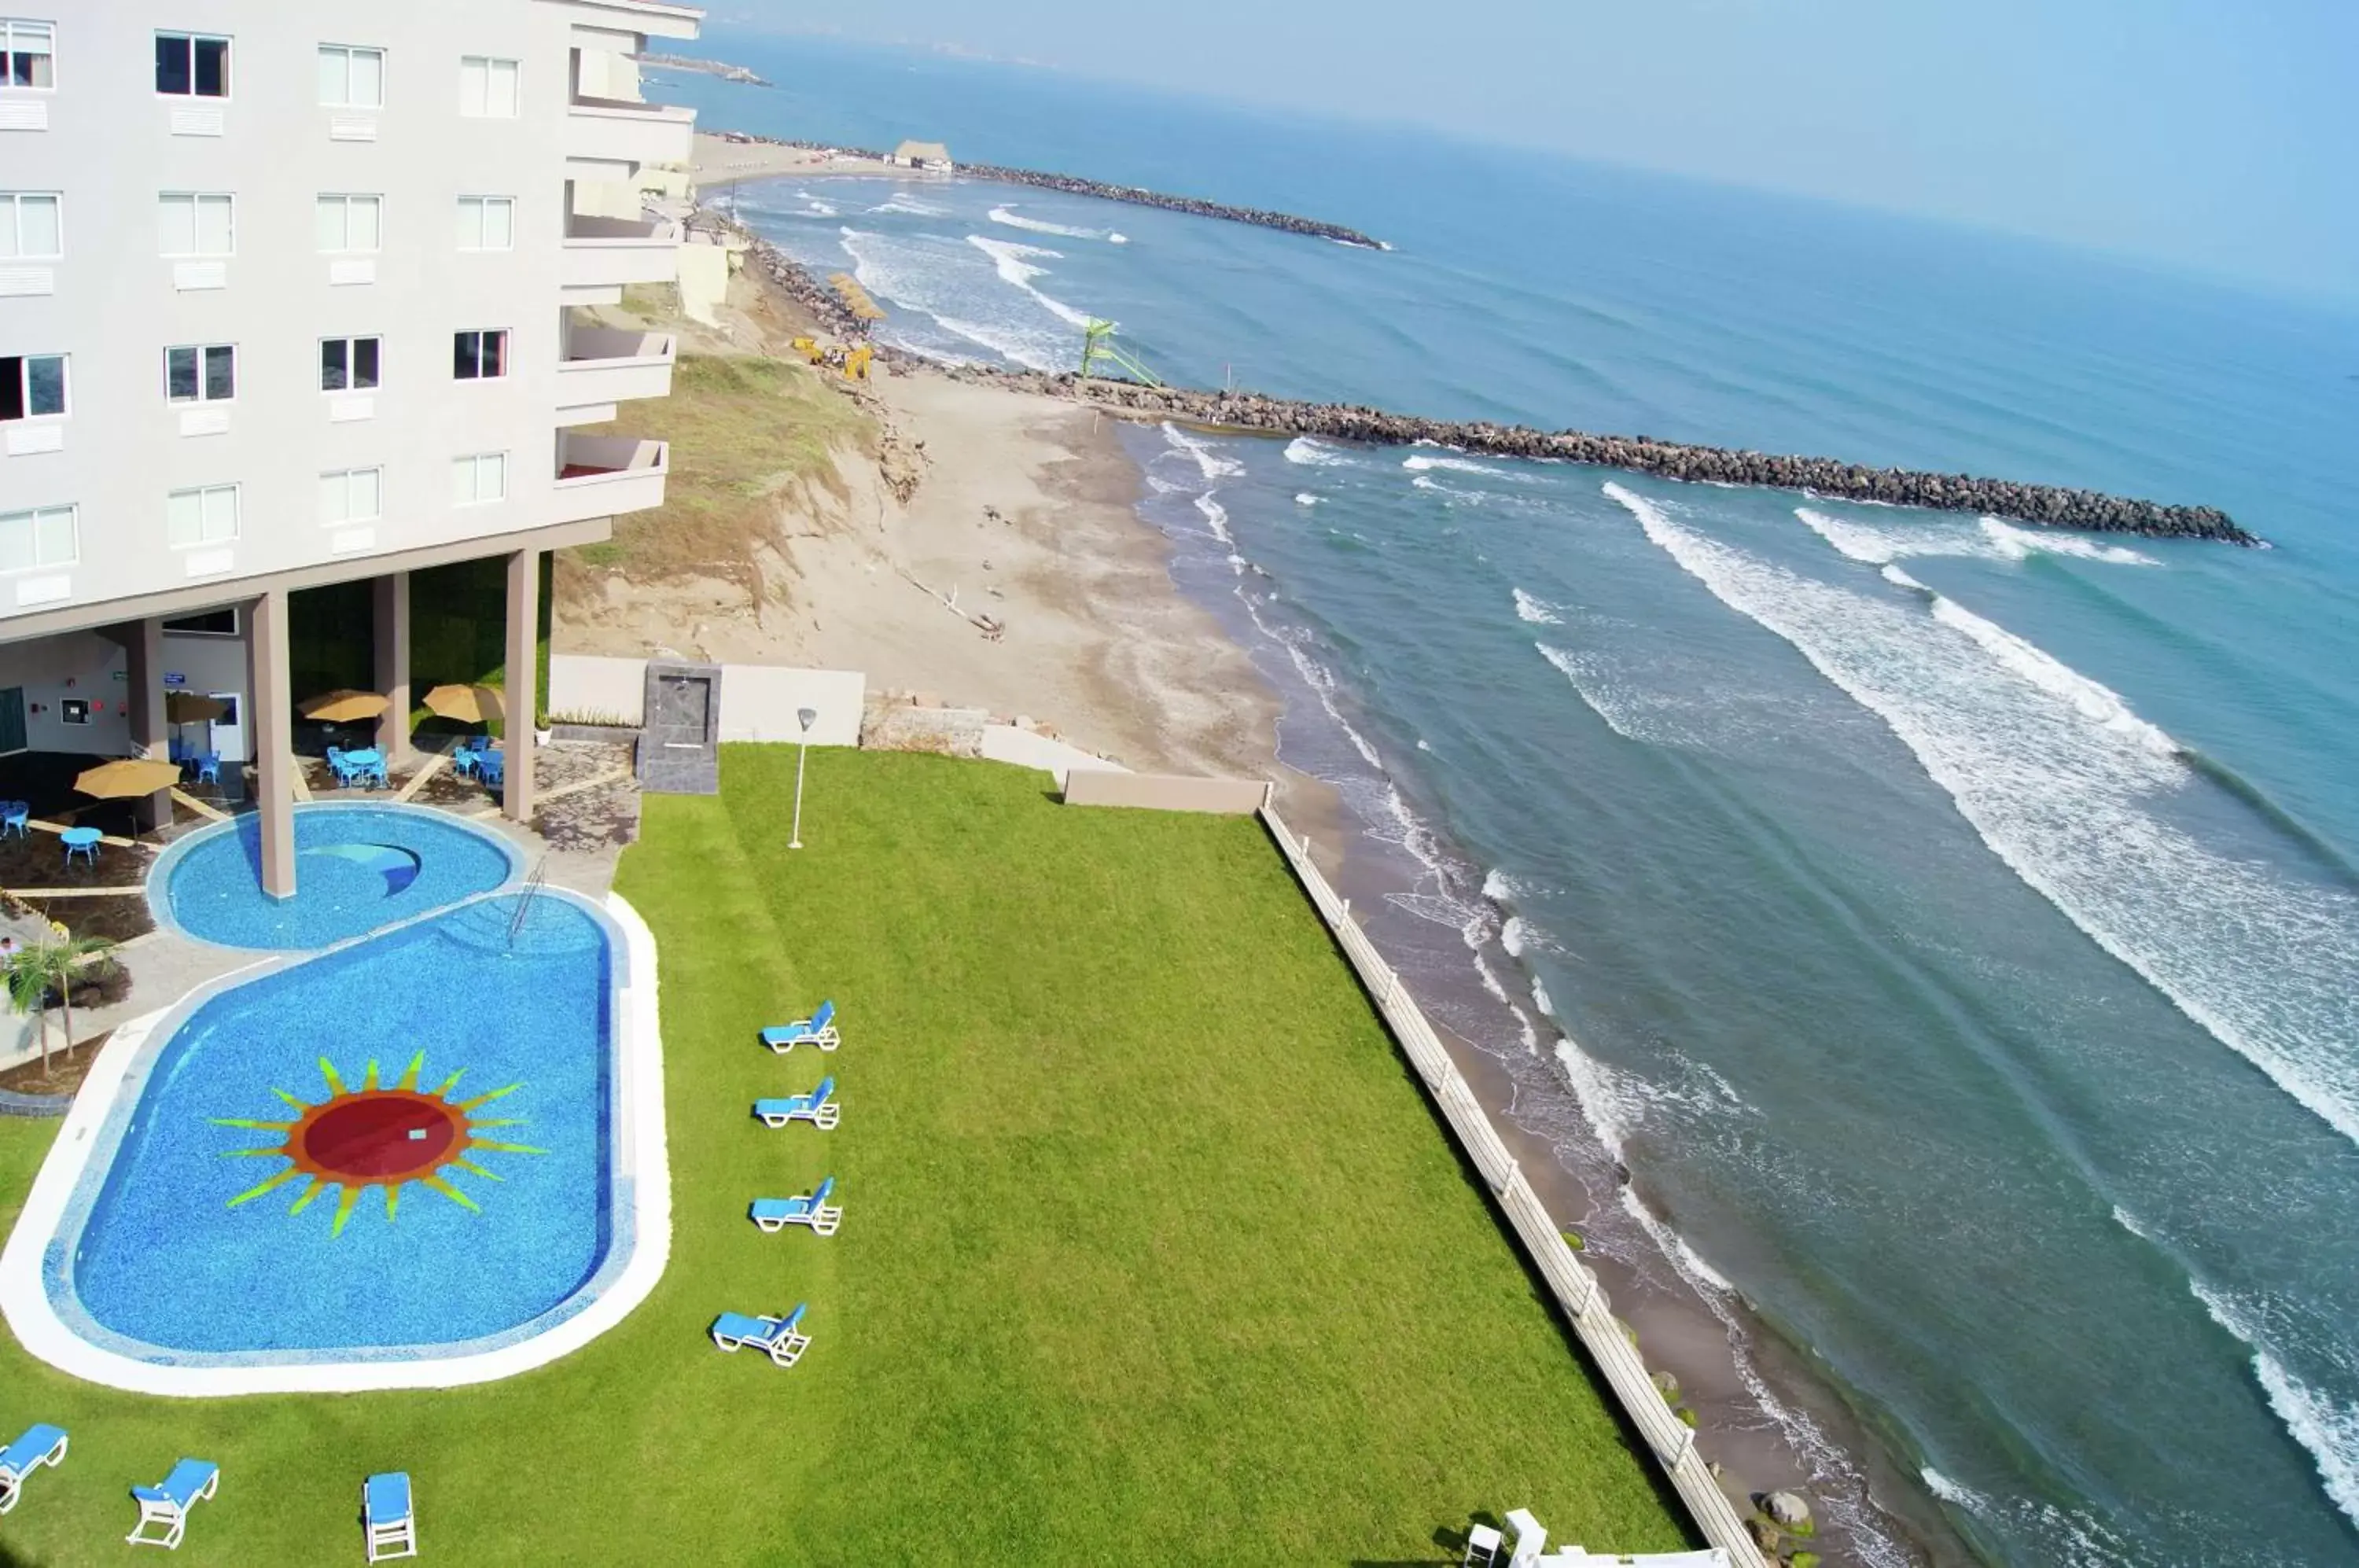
{"x": 358, "y": 868}
{"x": 393, "y": 1163}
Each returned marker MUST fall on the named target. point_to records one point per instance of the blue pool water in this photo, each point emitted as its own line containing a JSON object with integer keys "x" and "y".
{"x": 358, "y": 869}
{"x": 161, "y": 1260}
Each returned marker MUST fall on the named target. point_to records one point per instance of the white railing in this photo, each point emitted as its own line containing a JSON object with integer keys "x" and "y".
{"x": 1575, "y": 1288}
{"x": 589, "y": 346}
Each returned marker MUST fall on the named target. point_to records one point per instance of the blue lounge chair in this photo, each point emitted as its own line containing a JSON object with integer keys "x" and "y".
{"x": 815, "y": 1107}
{"x": 773, "y": 1215}
{"x": 390, "y": 1515}
{"x": 818, "y": 1029}
{"x": 40, "y": 1445}
{"x": 167, "y": 1504}
{"x": 777, "y": 1337}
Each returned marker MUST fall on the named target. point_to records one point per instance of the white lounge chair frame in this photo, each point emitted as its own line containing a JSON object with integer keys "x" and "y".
{"x": 823, "y": 1116}
{"x": 785, "y": 1349}
{"x": 171, "y": 1515}
{"x": 392, "y": 1538}
{"x": 823, "y": 1219}
{"x": 799, "y": 1032}
{"x": 12, "y": 1481}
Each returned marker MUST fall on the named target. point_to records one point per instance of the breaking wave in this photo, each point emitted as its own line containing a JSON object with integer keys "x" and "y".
{"x": 1532, "y": 610}
{"x": 2059, "y": 778}
{"x": 1305, "y": 450}
{"x": 1989, "y": 539}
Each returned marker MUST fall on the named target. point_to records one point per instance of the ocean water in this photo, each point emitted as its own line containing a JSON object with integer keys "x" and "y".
{"x": 1952, "y": 927}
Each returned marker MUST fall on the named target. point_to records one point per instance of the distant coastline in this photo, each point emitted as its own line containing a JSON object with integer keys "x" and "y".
{"x": 865, "y": 159}
{"x": 718, "y": 68}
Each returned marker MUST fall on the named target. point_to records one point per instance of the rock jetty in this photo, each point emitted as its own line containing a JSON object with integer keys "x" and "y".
{"x": 1260, "y": 217}
{"x": 1073, "y": 185}
{"x": 2047, "y": 503}
{"x": 1252, "y": 411}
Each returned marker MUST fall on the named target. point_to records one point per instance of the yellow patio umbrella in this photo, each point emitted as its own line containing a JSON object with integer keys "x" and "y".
{"x": 344, "y": 707}
{"x": 129, "y": 779}
{"x": 192, "y": 708}
{"x": 467, "y": 705}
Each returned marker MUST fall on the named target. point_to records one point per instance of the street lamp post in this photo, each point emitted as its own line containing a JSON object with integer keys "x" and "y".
{"x": 806, "y": 717}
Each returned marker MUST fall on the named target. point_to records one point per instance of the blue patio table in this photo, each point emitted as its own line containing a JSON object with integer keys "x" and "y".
{"x": 83, "y": 839}
{"x": 369, "y": 764}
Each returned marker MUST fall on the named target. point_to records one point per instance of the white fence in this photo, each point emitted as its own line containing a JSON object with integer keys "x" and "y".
{"x": 1575, "y": 1288}
{"x": 759, "y": 701}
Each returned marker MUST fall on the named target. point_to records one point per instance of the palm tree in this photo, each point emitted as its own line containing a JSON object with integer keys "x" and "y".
{"x": 33, "y": 971}
{"x": 72, "y": 955}
{"x": 28, "y": 990}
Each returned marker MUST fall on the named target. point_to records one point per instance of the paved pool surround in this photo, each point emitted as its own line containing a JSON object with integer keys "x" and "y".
{"x": 582, "y": 1281}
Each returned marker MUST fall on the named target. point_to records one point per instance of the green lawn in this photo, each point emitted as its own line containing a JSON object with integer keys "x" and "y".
{"x": 1152, "y": 1250}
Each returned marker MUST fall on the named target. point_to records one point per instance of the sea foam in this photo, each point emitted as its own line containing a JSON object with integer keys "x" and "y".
{"x": 2060, "y": 778}
{"x": 1532, "y": 610}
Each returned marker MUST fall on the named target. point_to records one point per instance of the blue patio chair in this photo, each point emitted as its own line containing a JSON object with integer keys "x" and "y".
{"x": 779, "y": 1338}
{"x": 468, "y": 755}
{"x": 165, "y": 1505}
{"x": 390, "y": 1515}
{"x": 15, "y": 817}
{"x": 341, "y": 765}
{"x": 492, "y": 768}
{"x": 818, "y": 1029}
{"x": 42, "y": 1444}
{"x": 813, "y": 1208}
{"x": 815, "y": 1107}
{"x": 208, "y": 767}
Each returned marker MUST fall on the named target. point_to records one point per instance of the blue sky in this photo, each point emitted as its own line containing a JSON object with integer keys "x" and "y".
{"x": 2220, "y": 135}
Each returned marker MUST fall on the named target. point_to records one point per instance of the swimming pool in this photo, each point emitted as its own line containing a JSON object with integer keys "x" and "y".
{"x": 427, "y": 1156}
{"x": 358, "y": 868}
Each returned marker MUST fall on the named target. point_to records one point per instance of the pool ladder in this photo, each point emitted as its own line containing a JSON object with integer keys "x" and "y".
{"x": 532, "y": 888}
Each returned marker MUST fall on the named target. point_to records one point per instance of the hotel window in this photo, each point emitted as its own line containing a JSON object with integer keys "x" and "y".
{"x": 487, "y": 87}
{"x": 486, "y": 223}
{"x": 352, "y": 496}
{"x": 46, "y": 536}
{"x": 480, "y": 478}
{"x": 27, "y": 53}
{"x": 348, "y": 364}
{"x": 30, "y": 229}
{"x": 200, "y": 372}
{"x": 351, "y": 77}
{"x": 479, "y": 356}
{"x": 207, "y": 515}
{"x": 196, "y": 225}
{"x": 32, "y": 385}
{"x": 350, "y": 222}
{"x": 192, "y": 65}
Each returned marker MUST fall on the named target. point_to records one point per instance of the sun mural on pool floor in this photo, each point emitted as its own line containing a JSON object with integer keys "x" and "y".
{"x": 377, "y": 1137}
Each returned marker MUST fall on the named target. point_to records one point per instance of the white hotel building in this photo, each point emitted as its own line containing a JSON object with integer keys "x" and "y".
{"x": 287, "y": 299}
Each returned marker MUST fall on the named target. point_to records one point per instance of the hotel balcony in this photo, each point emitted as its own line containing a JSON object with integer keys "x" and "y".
{"x": 602, "y": 367}
{"x": 618, "y": 137}
{"x": 601, "y": 256}
{"x": 599, "y": 476}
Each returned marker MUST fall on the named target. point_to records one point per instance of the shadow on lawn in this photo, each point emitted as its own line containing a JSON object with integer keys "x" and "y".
{"x": 12, "y": 1558}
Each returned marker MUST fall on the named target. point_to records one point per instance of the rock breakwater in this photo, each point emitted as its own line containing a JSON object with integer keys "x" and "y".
{"x": 1136, "y": 196}
{"x": 2052, "y": 505}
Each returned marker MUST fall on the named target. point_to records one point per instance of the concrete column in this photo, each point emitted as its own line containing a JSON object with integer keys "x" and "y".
{"x": 269, "y": 718}
{"x": 391, "y": 595}
{"x": 151, "y": 734}
{"x": 523, "y": 695}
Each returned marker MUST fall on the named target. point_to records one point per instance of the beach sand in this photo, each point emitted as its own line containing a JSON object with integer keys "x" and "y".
{"x": 1023, "y": 509}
